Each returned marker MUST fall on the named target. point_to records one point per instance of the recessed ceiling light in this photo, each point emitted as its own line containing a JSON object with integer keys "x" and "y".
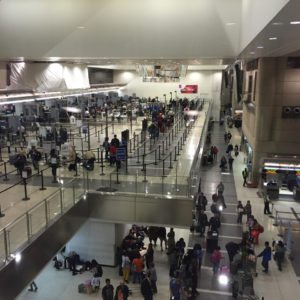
{"x": 273, "y": 38}
{"x": 230, "y": 24}
{"x": 260, "y": 47}
{"x": 295, "y": 22}
{"x": 252, "y": 52}
{"x": 80, "y": 27}
{"x": 277, "y": 23}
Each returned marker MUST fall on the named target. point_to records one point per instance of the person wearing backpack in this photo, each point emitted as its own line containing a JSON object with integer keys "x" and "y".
{"x": 215, "y": 259}
{"x": 240, "y": 210}
{"x": 245, "y": 175}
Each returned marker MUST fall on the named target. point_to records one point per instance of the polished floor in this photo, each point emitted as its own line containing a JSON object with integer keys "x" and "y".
{"x": 275, "y": 285}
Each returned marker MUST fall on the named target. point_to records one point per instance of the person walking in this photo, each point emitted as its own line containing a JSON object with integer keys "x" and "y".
{"x": 149, "y": 255}
{"x": 202, "y": 222}
{"x": 220, "y": 188}
{"x": 240, "y": 211}
{"x": 36, "y": 156}
{"x": 106, "y": 146}
{"x": 72, "y": 159}
{"x": 248, "y": 209}
{"x": 215, "y": 258}
{"x": 267, "y": 205}
{"x": 245, "y": 175}
{"x": 122, "y": 291}
{"x": 108, "y": 291}
{"x": 266, "y": 255}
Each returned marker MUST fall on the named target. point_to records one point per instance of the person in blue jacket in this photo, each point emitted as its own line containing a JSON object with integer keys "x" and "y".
{"x": 266, "y": 255}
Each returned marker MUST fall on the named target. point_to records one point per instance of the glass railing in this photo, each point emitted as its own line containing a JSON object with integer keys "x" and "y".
{"x": 21, "y": 231}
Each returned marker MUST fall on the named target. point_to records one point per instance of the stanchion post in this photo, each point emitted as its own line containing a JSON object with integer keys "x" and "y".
{"x": 102, "y": 165}
{"x": 164, "y": 175}
{"x": 118, "y": 182}
{"x": 134, "y": 141}
{"x": 166, "y": 142}
{"x": 159, "y": 152}
{"x": 163, "y": 147}
{"x": 178, "y": 147}
{"x": 172, "y": 134}
{"x": 42, "y": 188}
{"x": 155, "y": 157}
{"x": 25, "y": 190}
{"x": 130, "y": 147}
{"x": 145, "y": 173}
{"x": 76, "y": 170}
{"x": 5, "y": 173}
{"x": 138, "y": 155}
{"x": 98, "y": 155}
{"x": 144, "y": 147}
{"x": 143, "y": 169}
{"x": 98, "y": 137}
{"x": 169, "y": 139}
{"x": 170, "y": 166}
{"x": 175, "y": 153}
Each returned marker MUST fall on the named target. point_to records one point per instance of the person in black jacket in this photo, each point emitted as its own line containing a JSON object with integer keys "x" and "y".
{"x": 202, "y": 222}
{"x": 146, "y": 287}
{"x": 108, "y": 291}
{"x": 122, "y": 291}
{"x": 214, "y": 223}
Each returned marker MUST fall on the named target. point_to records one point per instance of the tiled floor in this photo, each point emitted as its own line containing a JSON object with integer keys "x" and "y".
{"x": 275, "y": 285}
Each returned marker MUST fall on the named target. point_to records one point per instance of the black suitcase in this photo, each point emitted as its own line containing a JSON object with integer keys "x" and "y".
{"x": 211, "y": 241}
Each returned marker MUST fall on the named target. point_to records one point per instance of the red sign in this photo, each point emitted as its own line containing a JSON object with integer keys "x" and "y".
{"x": 188, "y": 89}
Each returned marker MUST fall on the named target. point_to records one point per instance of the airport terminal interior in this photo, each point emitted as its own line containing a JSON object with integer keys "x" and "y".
{"x": 149, "y": 149}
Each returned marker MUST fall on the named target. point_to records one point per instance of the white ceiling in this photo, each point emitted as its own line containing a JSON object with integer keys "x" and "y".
{"x": 285, "y": 36}
{"x": 119, "y": 28}
{"x": 130, "y": 32}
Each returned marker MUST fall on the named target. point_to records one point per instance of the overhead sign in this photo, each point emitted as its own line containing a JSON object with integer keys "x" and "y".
{"x": 188, "y": 89}
{"x": 121, "y": 153}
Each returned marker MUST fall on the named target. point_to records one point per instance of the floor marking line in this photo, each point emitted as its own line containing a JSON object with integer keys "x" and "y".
{"x": 214, "y": 292}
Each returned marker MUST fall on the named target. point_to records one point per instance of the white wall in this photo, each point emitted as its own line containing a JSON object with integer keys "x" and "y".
{"x": 209, "y": 86}
{"x": 95, "y": 240}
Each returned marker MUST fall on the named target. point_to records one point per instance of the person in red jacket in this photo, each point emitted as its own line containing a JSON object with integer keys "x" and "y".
{"x": 215, "y": 258}
{"x": 112, "y": 154}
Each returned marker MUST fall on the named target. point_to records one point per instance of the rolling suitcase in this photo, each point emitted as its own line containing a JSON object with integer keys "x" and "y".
{"x": 28, "y": 170}
{"x": 211, "y": 241}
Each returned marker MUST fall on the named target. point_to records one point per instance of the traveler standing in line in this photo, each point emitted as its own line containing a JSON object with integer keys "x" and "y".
{"x": 36, "y": 156}
{"x": 245, "y": 175}
{"x": 240, "y": 211}
{"x": 171, "y": 234}
{"x": 146, "y": 288}
{"x": 126, "y": 266}
{"x": 54, "y": 162}
{"x": 138, "y": 265}
{"x": 153, "y": 278}
{"x": 106, "y": 146}
{"x": 149, "y": 255}
{"x": 122, "y": 291}
{"x": 108, "y": 291}
{"x": 175, "y": 288}
{"x": 72, "y": 159}
{"x": 115, "y": 141}
{"x": 279, "y": 254}
{"x": 266, "y": 255}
